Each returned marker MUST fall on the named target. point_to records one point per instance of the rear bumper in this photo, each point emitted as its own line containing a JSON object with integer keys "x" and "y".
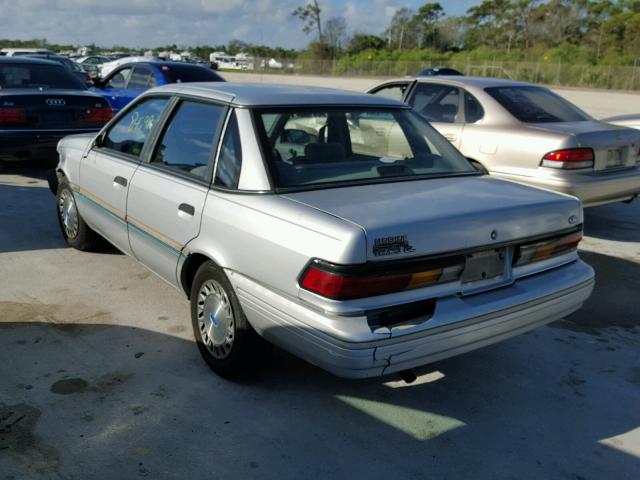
{"x": 459, "y": 324}
{"x": 33, "y": 144}
{"x": 597, "y": 188}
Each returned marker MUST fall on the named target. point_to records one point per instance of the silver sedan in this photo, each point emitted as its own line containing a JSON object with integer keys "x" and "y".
{"x": 526, "y": 133}
{"x": 339, "y": 226}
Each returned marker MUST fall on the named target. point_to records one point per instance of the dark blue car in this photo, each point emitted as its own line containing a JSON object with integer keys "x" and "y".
{"x": 41, "y": 102}
{"x": 131, "y": 79}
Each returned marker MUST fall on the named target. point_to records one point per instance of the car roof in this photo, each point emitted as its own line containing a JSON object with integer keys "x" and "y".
{"x": 262, "y": 95}
{"x": 161, "y": 63}
{"x": 478, "y": 82}
{"x": 28, "y": 59}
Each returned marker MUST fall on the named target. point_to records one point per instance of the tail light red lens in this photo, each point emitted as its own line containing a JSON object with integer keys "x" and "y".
{"x": 99, "y": 115}
{"x": 12, "y": 116}
{"x": 340, "y": 285}
{"x": 538, "y": 251}
{"x": 572, "y": 158}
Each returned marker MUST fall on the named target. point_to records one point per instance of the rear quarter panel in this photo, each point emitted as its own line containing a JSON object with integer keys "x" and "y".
{"x": 271, "y": 239}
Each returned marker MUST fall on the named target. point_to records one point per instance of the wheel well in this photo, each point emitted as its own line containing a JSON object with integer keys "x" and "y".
{"x": 189, "y": 269}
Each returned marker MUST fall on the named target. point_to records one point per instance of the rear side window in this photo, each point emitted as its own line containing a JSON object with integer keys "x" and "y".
{"x": 532, "y": 104}
{"x": 473, "y": 111}
{"x": 130, "y": 133}
{"x": 185, "y": 145}
{"x": 437, "y": 103}
{"x": 230, "y": 159}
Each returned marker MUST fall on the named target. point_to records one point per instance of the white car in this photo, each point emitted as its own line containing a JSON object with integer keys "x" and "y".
{"x": 108, "y": 67}
{"x": 339, "y": 226}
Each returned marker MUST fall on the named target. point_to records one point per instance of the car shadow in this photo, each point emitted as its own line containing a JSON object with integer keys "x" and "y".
{"x": 137, "y": 401}
{"x": 29, "y": 220}
{"x": 618, "y": 222}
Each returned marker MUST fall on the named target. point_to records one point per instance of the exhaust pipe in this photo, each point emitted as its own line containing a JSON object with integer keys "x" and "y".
{"x": 408, "y": 376}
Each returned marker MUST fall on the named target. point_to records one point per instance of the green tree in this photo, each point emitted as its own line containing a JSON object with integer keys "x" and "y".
{"x": 310, "y": 16}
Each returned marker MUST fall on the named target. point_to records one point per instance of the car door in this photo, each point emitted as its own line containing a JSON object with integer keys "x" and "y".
{"x": 106, "y": 171}
{"x": 115, "y": 88}
{"x": 168, "y": 191}
{"x": 442, "y": 106}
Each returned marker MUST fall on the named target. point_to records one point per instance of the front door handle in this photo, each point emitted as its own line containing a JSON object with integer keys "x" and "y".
{"x": 452, "y": 137}
{"x": 186, "y": 208}
{"x": 120, "y": 181}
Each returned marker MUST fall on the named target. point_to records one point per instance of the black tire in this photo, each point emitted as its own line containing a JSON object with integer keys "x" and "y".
{"x": 81, "y": 237}
{"x": 478, "y": 166}
{"x": 239, "y": 357}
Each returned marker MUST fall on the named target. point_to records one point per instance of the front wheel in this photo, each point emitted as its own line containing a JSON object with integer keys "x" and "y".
{"x": 74, "y": 229}
{"x": 225, "y": 339}
{"x": 478, "y": 166}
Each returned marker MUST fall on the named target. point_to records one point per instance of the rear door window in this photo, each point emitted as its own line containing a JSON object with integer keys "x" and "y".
{"x": 395, "y": 91}
{"x": 141, "y": 78}
{"x": 437, "y": 102}
{"x": 131, "y": 132}
{"x": 186, "y": 144}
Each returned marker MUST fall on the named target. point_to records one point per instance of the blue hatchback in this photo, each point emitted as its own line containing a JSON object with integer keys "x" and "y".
{"x": 131, "y": 79}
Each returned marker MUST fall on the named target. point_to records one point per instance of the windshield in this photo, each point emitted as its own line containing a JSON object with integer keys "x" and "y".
{"x": 37, "y": 76}
{"x": 536, "y": 104}
{"x": 335, "y": 145}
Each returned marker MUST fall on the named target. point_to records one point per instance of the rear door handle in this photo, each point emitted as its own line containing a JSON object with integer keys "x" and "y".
{"x": 120, "y": 181}
{"x": 186, "y": 208}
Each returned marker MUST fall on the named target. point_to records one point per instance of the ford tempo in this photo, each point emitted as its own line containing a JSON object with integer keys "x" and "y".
{"x": 339, "y": 226}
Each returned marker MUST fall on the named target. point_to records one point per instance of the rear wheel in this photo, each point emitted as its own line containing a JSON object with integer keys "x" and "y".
{"x": 225, "y": 339}
{"x": 74, "y": 229}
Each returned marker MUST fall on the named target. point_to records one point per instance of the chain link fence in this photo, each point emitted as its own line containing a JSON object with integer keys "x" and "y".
{"x": 613, "y": 77}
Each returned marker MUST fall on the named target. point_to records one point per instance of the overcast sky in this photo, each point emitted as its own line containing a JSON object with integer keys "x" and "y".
{"x": 147, "y": 23}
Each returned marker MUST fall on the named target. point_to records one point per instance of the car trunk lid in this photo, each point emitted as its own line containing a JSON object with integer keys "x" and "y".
{"x": 54, "y": 109}
{"x": 435, "y": 216}
{"x": 614, "y": 147}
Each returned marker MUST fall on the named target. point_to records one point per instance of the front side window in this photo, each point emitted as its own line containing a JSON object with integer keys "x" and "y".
{"x": 532, "y": 104}
{"x": 230, "y": 158}
{"x": 186, "y": 144}
{"x": 336, "y": 145}
{"x": 119, "y": 79}
{"x": 436, "y": 102}
{"x": 130, "y": 133}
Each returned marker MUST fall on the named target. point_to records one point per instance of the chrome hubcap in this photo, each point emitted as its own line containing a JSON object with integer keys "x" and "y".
{"x": 215, "y": 319}
{"x": 68, "y": 213}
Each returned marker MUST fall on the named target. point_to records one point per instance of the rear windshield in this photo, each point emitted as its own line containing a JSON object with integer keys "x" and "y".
{"x": 536, "y": 104}
{"x": 37, "y": 76}
{"x": 335, "y": 145}
{"x": 182, "y": 74}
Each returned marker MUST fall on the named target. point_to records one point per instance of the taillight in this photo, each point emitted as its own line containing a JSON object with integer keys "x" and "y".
{"x": 100, "y": 115}
{"x": 569, "y": 159}
{"x": 344, "y": 283}
{"x": 535, "y": 252}
{"x": 13, "y": 115}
